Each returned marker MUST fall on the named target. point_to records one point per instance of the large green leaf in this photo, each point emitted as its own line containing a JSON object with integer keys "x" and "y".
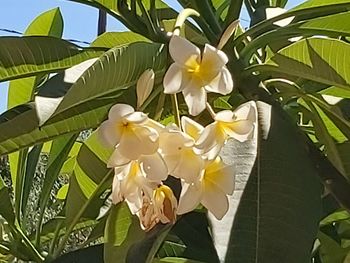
{"x": 20, "y": 91}
{"x": 58, "y": 155}
{"x": 121, "y": 232}
{"x": 337, "y": 23}
{"x": 278, "y": 214}
{"x": 26, "y": 56}
{"x": 6, "y": 210}
{"x": 313, "y": 59}
{"x": 113, "y": 39}
{"x": 20, "y": 125}
{"x": 319, "y": 3}
{"x": 117, "y": 70}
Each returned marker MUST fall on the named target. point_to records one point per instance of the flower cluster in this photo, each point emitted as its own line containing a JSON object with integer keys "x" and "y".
{"x": 147, "y": 152}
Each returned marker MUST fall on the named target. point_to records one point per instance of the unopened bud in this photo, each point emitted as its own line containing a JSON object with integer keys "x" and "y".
{"x": 165, "y": 204}
{"x": 144, "y": 86}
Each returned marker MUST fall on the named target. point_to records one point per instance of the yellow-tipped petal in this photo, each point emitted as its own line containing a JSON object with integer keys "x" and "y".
{"x": 220, "y": 174}
{"x": 191, "y": 127}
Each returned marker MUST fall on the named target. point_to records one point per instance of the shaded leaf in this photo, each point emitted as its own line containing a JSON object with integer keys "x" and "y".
{"x": 282, "y": 195}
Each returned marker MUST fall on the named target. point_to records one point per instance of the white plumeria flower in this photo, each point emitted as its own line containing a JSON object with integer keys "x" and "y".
{"x": 216, "y": 181}
{"x": 238, "y": 124}
{"x": 130, "y": 184}
{"x": 133, "y": 133}
{"x": 144, "y": 86}
{"x": 176, "y": 148}
{"x": 195, "y": 74}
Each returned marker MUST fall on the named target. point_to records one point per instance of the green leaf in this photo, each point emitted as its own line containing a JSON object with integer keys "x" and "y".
{"x": 49, "y": 23}
{"x": 319, "y": 3}
{"x": 175, "y": 260}
{"x": 335, "y": 217}
{"x": 114, "y": 39}
{"x": 118, "y": 224}
{"x": 26, "y": 56}
{"x": 52, "y": 91}
{"x": 85, "y": 186}
{"x": 62, "y": 192}
{"x": 313, "y": 59}
{"x": 194, "y": 230}
{"x": 282, "y": 195}
{"x": 336, "y": 23}
{"x": 121, "y": 232}
{"x": 6, "y": 209}
{"x": 118, "y": 69}
{"x": 330, "y": 250}
{"x": 59, "y": 152}
{"x": 20, "y": 125}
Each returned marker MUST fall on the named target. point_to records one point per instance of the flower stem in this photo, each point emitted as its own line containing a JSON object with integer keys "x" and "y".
{"x": 176, "y": 110}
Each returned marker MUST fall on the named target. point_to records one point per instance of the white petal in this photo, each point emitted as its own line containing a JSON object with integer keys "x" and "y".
{"x": 121, "y": 172}
{"x": 213, "y": 152}
{"x": 214, "y": 200}
{"x": 118, "y": 111}
{"x": 116, "y": 195}
{"x": 144, "y": 86}
{"x": 136, "y": 117}
{"x": 191, "y": 127}
{"x": 172, "y": 142}
{"x": 189, "y": 166}
{"x": 137, "y": 141}
{"x": 181, "y": 50}
{"x": 225, "y": 116}
{"x": 173, "y": 79}
{"x": 190, "y": 198}
{"x": 155, "y": 125}
{"x": 195, "y": 98}
{"x": 246, "y": 111}
{"x": 239, "y": 130}
{"x": 134, "y": 201}
{"x": 222, "y": 84}
{"x": 154, "y": 167}
{"x": 110, "y": 133}
{"x": 117, "y": 159}
{"x": 210, "y": 137}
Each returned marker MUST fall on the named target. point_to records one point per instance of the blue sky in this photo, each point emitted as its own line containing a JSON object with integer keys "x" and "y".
{"x": 79, "y": 20}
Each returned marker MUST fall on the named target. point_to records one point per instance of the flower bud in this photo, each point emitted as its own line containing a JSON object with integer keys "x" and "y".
{"x": 144, "y": 86}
